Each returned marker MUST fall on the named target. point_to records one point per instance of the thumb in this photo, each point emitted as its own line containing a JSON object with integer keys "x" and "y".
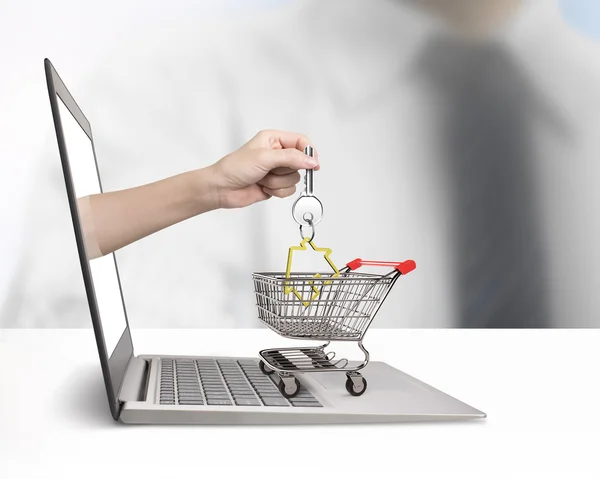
{"x": 287, "y": 158}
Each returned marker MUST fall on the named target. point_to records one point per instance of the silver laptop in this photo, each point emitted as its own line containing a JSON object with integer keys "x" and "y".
{"x": 157, "y": 389}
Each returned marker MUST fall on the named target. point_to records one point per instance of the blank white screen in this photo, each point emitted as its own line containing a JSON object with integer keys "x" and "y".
{"x": 104, "y": 270}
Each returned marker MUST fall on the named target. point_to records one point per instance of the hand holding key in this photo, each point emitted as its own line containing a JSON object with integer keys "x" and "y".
{"x": 266, "y": 166}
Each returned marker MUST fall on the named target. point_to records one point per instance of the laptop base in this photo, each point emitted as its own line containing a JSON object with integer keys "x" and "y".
{"x": 392, "y": 396}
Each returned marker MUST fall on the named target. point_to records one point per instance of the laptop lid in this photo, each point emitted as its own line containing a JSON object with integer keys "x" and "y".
{"x": 100, "y": 275}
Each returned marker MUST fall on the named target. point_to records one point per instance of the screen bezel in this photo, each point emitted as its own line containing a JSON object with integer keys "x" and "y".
{"x": 113, "y": 367}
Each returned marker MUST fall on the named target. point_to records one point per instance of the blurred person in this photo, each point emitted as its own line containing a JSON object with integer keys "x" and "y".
{"x": 487, "y": 110}
{"x": 350, "y": 74}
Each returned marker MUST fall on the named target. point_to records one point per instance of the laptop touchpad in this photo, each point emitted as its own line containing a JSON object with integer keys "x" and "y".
{"x": 379, "y": 376}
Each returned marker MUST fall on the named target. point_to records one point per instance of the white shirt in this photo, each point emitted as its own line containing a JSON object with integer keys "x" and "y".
{"x": 342, "y": 73}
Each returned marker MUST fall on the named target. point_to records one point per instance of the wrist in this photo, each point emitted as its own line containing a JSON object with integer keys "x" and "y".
{"x": 205, "y": 192}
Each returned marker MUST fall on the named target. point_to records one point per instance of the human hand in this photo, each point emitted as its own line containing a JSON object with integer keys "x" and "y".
{"x": 265, "y": 166}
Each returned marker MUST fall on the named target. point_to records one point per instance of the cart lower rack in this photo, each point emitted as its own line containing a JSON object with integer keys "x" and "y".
{"x": 322, "y": 307}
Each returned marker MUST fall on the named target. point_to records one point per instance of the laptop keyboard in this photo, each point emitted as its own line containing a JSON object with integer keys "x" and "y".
{"x": 223, "y": 382}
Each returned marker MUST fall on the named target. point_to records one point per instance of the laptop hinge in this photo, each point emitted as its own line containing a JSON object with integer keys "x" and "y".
{"x": 133, "y": 387}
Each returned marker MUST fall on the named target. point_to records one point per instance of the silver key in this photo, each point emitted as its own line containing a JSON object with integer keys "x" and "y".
{"x": 307, "y": 210}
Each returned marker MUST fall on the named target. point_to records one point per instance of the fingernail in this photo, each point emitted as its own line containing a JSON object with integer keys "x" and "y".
{"x": 310, "y": 161}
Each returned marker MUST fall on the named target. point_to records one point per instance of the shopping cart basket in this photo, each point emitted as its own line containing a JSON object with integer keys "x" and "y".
{"x": 323, "y": 307}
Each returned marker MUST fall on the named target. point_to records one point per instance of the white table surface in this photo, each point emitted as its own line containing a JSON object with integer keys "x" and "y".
{"x": 540, "y": 389}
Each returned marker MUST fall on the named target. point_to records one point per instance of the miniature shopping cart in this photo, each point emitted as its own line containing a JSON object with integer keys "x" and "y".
{"x": 323, "y": 307}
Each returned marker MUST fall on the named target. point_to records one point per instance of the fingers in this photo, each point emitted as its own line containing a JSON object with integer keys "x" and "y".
{"x": 276, "y": 182}
{"x": 282, "y": 171}
{"x": 280, "y": 192}
{"x": 278, "y": 139}
{"x": 287, "y": 158}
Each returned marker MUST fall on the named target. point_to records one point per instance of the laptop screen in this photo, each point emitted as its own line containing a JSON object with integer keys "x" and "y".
{"x": 100, "y": 274}
{"x": 103, "y": 269}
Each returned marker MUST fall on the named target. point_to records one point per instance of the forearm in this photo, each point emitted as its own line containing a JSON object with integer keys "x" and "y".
{"x": 123, "y": 217}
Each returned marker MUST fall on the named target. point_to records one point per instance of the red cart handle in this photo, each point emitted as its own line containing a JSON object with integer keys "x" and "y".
{"x": 404, "y": 267}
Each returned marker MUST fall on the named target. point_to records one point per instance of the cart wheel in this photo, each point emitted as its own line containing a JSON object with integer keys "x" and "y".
{"x": 264, "y": 369}
{"x": 354, "y": 389}
{"x": 291, "y": 390}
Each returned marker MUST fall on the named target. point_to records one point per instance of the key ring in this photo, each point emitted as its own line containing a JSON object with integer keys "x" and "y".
{"x": 308, "y": 219}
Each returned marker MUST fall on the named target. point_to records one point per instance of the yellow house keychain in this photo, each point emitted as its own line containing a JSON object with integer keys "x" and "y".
{"x": 288, "y": 270}
{"x": 308, "y": 211}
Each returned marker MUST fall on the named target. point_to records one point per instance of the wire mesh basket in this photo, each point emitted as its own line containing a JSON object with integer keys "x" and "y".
{"x": 327, "y": 308}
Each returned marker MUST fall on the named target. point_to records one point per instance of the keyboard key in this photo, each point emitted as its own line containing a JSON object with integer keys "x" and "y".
{"x": 275, "y": 394}
{"x": 249, "y": 392}
{"x": 262, "y": 384}
{"x": 306, "y": 404}
{"x": 247, "y": 402}
{"x": 303, "y": 400}
{"x": 242, "y": 391}
{"x": 240, "y": 385}
{"x": 218, "y": 402}
{"x": 244, "y": 396}
{"x": 266, "y": 389}
{"x": 270, "y": 401}
{"x": 266, "y": 386}
{"x": 304, "y": 394}
{"x": 261, "y": 380}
